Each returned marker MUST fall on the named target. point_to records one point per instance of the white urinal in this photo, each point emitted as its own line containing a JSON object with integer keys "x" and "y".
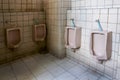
{"x": 39, "y": 32}
{"x": 13, "y": 37}
{"x": 73, "y": 37}
{"x": 101, "y": 45}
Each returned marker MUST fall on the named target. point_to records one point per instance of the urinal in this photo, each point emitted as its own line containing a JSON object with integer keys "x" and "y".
{"x": 39, "y": 32}
{"x": 72, "y": 37}
{"x": 13, "y": 37}
{"x": 101, "y": 45}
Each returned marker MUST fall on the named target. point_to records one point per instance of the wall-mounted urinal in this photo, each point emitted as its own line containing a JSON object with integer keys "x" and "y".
{"x": 13, "y": 37}
{"x": 39, "y": 32}
{"x": 101, "y": 45}
{"x": 73, "y": 37}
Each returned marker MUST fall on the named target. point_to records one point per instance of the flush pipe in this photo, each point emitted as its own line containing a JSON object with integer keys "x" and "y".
{"x": 99, "y": 25}
{"x": 73, "y": 22}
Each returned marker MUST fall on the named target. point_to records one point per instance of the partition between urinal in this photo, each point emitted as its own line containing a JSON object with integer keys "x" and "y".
{"x": 101, "y": 45}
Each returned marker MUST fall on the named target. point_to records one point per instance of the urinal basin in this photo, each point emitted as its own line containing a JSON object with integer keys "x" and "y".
{"x": 39, "y": 32}
{"x": 101, "y": 44}
{"x": 13, "y": 37}
{"x": 72, "y": 37}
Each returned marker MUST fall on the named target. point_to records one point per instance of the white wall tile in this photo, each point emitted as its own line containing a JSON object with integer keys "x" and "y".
{"x": 109, "y": 19}
{"x": 101, "y": 3}
{"x": 116, "y": 3}
{"x": 112, "y": 27}
{"x": 112, "y": 18}
{"x": 108, "y": 3}
{"x": 93, "y": 3}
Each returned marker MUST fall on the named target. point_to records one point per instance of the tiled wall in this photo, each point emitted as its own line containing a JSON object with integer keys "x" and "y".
{"x": 23, "y": 18}
{"x": 85, "y": 12}
{"x": 56, "y": 21}
{"x": 20, "y": 5}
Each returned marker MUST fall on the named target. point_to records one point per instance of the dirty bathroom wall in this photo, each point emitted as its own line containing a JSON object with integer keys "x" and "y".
{"x": 85, "y": 12}
{"x": 22, "y": 13}
{"x": 56, "y": 21}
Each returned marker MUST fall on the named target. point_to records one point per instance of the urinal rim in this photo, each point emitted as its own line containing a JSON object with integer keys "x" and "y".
{"x": 66, "y": 41}
{"x": 105, "y": 33}
{"x": 34, "y": 32}
{"x": 7, "y": 32}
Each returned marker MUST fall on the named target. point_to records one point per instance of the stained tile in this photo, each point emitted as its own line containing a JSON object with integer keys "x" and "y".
{"x": 21, "y": 71}
{"x": 6, "y": 73}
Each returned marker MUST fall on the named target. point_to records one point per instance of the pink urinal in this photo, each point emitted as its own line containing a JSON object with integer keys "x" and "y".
{"x": 72, "y": 37}
{"x": 13, "y": 37}
{"x": 39, "y": 32}
{"x": 101, "y": 45}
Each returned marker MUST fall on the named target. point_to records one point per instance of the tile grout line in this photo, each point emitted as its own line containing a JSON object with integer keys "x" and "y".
{"x": 90, "y": 69}
{"x": 13, "y": 70}
{"x": 45, "y": 68}
{"x": 60, "y": 73}
{"x": 29, "y": 69}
